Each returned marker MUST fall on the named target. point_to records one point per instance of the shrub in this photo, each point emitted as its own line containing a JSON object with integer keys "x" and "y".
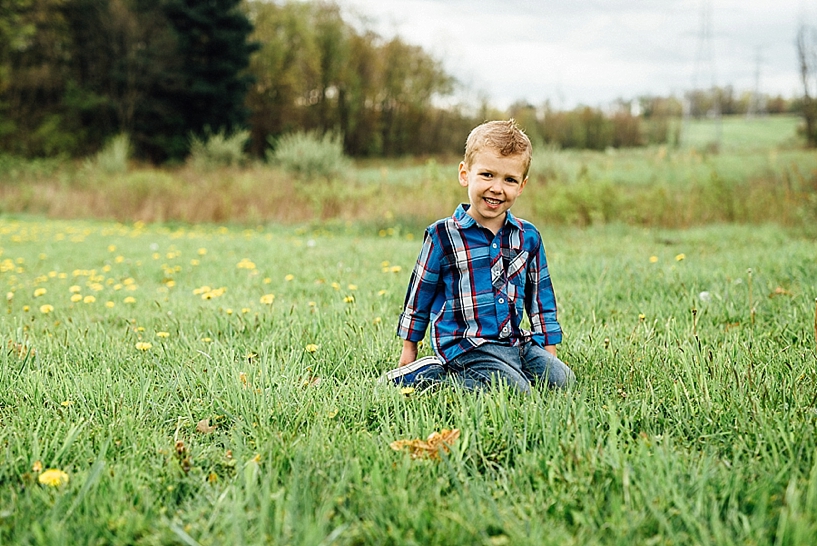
{"x": 310, "y": 154}
{"x": 113, "y": 157}
{"x": 218, "y": 150}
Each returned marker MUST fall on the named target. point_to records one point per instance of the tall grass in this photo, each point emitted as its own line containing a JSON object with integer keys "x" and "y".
{"x": 693, "y": 421}
{"x": 659, "y": 186}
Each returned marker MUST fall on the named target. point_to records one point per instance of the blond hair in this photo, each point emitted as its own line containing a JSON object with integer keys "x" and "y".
{"x": 504, "y": 137}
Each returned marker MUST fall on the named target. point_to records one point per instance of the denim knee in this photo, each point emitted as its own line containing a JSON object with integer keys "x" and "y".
{"x": 538, "y": 365}
{"x": 488, "y": 363}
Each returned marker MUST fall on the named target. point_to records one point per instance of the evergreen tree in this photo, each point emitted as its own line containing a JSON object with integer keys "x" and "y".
{"x": 204, "y": 86}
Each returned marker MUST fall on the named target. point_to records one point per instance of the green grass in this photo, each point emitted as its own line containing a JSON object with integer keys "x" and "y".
{"x": 741, "y": 133}
{"x": 693, "y": 421}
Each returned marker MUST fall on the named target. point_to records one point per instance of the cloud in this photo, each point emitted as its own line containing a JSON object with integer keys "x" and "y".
{"x": 594, "y": 51}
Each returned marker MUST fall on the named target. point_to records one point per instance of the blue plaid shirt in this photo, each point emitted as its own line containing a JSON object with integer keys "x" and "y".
{"x": 472, "y": 287}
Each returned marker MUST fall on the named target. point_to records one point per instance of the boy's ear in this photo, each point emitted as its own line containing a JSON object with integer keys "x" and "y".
{"x": 463, "y": 175}
{"x": 523, "y": 184}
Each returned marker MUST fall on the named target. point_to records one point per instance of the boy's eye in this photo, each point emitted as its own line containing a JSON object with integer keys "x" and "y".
{"x": 486, "y": 175}
{"x": 510, "y": 180}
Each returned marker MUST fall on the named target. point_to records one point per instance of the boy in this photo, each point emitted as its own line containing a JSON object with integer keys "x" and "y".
{"x": 477, "y": 272}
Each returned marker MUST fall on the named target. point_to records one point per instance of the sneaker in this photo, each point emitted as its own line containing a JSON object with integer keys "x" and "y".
{"x": 428, "y": 367}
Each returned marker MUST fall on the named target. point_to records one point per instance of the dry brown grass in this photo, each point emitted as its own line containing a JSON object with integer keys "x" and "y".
{"x": 259, "y": 195}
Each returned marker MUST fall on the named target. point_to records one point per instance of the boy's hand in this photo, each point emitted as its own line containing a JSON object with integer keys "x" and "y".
{"x": 409, "y": 352}
{"x": 551, "y": 349}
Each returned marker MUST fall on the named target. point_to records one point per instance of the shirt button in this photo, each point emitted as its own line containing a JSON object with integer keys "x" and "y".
{"x": 501, "y": 300}
{"x": 494, "y": 245}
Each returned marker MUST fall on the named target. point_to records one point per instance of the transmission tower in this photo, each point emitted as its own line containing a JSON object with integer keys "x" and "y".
{"x": 757, "y": 102}
{"x": 703, "y": 99}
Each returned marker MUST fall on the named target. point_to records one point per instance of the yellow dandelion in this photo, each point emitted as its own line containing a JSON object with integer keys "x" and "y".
{"x": 53, "y": 478}
{"x": 313, "y": 304}
{"x": 680, "y": 257}
{"x": 245, "y": 310}
{"x": 170, "y": 284}
{"x": 641, "y": 316}
{"x": 202, "y": 251}
{"x": 9, "y": 296}
{"x": 109, "y": 304}
{"x": 37, "y": 467}
{"x": 88, "y": 299}
{"x": 76, "y": 297}
{"x": 395, "y": 269}
{"x": 75, "y": 289}
{"x": 384, "y": 263}
{"x": 352, "y": 287}
{"x": 26, "y": 308}
{"x": 40, "y": 292}
{"x": 332, "y": 413}
{"x": 45, "y": 309}
{"x": 67, "y": 403}
{"x": 407, "y": 390}
{"x": 207, "y": 339}
{"x": 194, "y": 262}
{"x": 653, "y": 259}
{"x": 155, "y": 255}
{"x": 377, "y": 320}
{"x": 311, "y": 348}
{"x": 267, "y": 280}
{"x": 129, "y": 299}
{"x": 349, "y": 299}
{"x": 144, "y": 345}
{"x": 267, "y": 299}
{"x": 381, "y": 292}
{"x": 289, "y": 277}
{"x": 119, "y": 259}
{"x": 111, "y": 248}
{"x": 336, "y": 286}
{"x": 163, "y": 334}
{"x": 228, "y": 311}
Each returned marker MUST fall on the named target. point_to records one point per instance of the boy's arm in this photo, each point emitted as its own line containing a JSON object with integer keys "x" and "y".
{"x": 540, "y": 301}
{"x": 420, "y": 295}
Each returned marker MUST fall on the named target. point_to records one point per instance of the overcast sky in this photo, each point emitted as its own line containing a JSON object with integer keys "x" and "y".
{"x": 596, "y": 51}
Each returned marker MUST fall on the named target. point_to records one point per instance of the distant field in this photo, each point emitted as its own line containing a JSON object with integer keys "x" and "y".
{"x": 215, "y": 385}
{"x": 741, "y": 133}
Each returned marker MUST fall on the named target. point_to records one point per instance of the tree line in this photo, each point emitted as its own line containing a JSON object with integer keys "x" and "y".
{"x": 74, "y": 73}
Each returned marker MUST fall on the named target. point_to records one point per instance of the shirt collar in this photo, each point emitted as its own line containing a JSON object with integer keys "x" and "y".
{"x": 465, "y": 220}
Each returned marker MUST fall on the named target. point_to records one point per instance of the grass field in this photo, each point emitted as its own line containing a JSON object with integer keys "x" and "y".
{"x": 207, "y": 385}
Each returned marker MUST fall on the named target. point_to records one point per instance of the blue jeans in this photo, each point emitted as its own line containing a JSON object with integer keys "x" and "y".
{"x": 519, "y": 367}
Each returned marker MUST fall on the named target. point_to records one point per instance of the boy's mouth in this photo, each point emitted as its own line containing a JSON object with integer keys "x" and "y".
{"x": 492, "y": 202}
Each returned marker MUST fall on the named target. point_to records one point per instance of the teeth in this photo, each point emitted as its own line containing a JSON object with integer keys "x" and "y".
{"x": 493, "y": 201}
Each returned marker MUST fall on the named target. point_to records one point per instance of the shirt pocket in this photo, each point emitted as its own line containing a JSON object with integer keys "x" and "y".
{"x": 516, "y": 261}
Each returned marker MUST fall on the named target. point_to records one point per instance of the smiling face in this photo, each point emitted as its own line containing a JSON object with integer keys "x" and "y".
{"x": 494, "y": 181}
